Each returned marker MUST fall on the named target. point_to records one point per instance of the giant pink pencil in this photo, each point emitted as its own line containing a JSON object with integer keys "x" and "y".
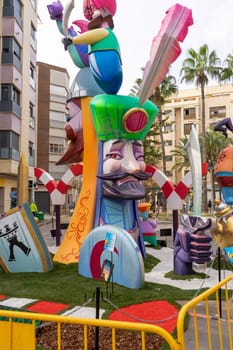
{"x": 165, "y": 48}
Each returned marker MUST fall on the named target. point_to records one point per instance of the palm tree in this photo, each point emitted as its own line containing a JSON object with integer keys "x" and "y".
{"x": 181, "y": 156}
{"x": 152, "y": 150}
{"x": 227, "y": 70}
{"x": 134, "y": 91}
{"x": 161, "y": 93}
{"x": 215, "y": 142}
{"x": 152, "y": 153}
{"x": 198, "y": 67}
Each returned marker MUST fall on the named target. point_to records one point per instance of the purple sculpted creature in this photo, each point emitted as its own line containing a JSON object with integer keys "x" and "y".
{"x": 192, "y": 244}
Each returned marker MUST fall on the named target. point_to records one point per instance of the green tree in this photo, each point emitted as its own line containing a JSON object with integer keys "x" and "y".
{"x": 198, "y": 68}
{"x": 227, "y": 69}
{"x": 134, "y": 91}
{"x": 167, "y": 87}
{"x": 181, "y": 156}
{"x": 215, "y": 142}
{"x": 152, "y": 151}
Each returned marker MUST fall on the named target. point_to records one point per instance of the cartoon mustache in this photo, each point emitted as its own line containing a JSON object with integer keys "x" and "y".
{"x": 140, "y": 175}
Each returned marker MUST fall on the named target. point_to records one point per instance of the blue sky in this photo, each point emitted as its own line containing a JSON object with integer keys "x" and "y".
{"x": 136, "y": 23}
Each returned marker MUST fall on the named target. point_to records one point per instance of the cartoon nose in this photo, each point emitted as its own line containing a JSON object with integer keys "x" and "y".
{"x": 129, "y": 163}
{"x": 130, "y": 167}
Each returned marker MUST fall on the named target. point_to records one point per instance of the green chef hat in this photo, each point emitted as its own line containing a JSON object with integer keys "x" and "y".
{"x": 121, "y": 117}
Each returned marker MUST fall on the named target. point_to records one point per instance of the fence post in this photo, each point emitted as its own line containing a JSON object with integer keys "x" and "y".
{"x": 97, "y": 314}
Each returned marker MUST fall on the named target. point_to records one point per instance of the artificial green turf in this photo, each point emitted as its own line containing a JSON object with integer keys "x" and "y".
{"x": 64, "y": 285}
{"x": 173, "y": 276}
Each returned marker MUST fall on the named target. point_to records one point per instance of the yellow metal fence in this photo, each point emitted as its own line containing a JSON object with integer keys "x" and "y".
{"x": 210, "y": 321}
{"x": 16, "y": 335}
{"x": 207, "y": 330}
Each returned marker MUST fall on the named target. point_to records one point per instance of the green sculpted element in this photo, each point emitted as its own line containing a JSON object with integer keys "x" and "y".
{"x": 121, "y": 117}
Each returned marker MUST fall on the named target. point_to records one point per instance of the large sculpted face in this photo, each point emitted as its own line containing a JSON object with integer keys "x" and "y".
{"x": 124, "y": 169}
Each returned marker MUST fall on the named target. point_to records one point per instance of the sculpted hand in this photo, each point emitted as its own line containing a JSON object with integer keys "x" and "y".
{"x": 66, "y": 42}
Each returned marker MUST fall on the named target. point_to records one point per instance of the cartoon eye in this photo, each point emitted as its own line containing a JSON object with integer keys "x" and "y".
{"x": 116, "y": 156}
{"x": 139, "y": 157}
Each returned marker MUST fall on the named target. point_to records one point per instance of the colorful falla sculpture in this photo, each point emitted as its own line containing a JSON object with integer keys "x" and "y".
{"x": 22, "y": 247}
{"x": 148, "y": 225}
{"x": 121, "y": 124}
{"x": 192, "y": 244}
{"x": 105, "y": 224}
{"x": 222, "y": 230}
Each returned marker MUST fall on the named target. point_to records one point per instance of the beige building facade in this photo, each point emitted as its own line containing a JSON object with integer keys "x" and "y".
{"x": 185, "y": 110}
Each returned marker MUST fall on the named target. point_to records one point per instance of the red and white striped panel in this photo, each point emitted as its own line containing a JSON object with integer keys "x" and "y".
{"x": 175, "y": 195}
{"x": 58, "y": 190}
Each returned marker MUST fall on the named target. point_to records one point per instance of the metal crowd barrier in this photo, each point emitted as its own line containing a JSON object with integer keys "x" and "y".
{"x": 210, "y": 320}
{"x": 18, "y": 329}
{"x": 21, "y": 335}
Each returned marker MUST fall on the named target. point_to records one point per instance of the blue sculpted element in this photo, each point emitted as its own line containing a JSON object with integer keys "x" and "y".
{"x": 108, "y": 76}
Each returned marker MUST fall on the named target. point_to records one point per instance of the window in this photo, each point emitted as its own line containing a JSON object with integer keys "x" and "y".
{"x": 32, "y": 70}
{"x": 11, "y": 52}
{"x": 9, "y": 145}
{"x": 5, "y": 45}
{"x": 168, "y": 158}
{"x": 13, "y": 8}
{"x": 217, "y": 112}
{"x": 10, "y": 99}
{"x": 189, "y": 113}
{"x": 10, "y": 93}
{"x": 31, "y": 116}
{"x": 16, "y": 95}
{"x": 5, "y": 93}
{"x": 169, "y": 173}
{"x": 18, "y": 8}
{"x": 30, "y": 149}
{"x": 33, "y": 36}
{"x": 56, "y": 148}
{"x": 14, "y": 140}
{"x": 16, "y": 50}
{"x": 187, "y": 128}
{"x": 32, "y": 75}
{"x": 31, "y": 154}
{"x": 168, "y": 143}
{"x": 167, "y": 128}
